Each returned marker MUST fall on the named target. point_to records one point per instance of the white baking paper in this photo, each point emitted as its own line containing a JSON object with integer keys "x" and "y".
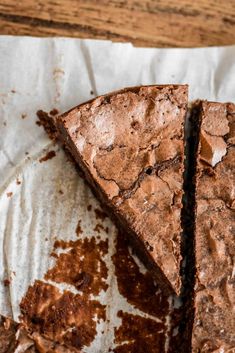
{"x": 61, "y": 73}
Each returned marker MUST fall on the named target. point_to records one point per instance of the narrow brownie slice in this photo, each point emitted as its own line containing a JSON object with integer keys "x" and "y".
{"x": 130, "y": 146}
{"x": 214, "y": 321}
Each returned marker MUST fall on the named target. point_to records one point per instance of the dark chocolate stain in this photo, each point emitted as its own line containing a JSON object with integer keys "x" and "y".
{"x": 49, "y": 155}
{"x": 69, "y": 318}
{"x": 138, "y": 288}
{"x": 82, "y": 266}
{"x": 62, "y": 317}
{"x": 139, "y": 335}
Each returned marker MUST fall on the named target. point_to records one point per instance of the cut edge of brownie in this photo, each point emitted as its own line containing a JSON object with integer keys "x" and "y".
{"x": 117, "y": 217}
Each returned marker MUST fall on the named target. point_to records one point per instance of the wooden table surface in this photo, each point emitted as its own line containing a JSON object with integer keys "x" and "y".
{"x": 160, "y": 23}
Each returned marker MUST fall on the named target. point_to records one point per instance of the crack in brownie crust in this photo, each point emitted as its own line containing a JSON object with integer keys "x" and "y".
{"x": 130, "y": 146}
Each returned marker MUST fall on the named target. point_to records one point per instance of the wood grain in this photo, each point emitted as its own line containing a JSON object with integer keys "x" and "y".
{"x": 161, "y": 23}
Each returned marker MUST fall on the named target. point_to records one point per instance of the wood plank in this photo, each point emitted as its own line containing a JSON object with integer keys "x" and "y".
{"x": 145, "y": 23}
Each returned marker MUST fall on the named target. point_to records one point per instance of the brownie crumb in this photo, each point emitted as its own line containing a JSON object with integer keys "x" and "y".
{"x": 9, "y": 194}
{"x": 6, "y": 282}
{"x": 13, "y": 91}
{"x": 54, "y": 112}
{"x": 23, "y": 116}
{"x": 89, "y": 207}
{"x": 91, "y": 92}
{"x": 49, "y": 155}
{"x": 61, "y": 192}
{"x": 47, "y": 122}
{"x": 18, "y": 182}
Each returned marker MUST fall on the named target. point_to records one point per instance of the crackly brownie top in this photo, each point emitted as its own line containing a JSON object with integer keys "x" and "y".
{"x": 132, "y": 143}
{"x": 214, "y": 326}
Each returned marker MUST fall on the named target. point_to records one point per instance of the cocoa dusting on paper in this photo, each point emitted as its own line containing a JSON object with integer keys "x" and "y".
{"x": 49, "y": 155}
{"x": 139, "y": 335}
{"x": 65, "y": 318}
{"x": 82, "y": 265}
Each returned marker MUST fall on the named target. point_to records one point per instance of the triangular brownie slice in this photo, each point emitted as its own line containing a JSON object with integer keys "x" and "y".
{"x": 214, "y": 319}
{"x": 130, "y": 146}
